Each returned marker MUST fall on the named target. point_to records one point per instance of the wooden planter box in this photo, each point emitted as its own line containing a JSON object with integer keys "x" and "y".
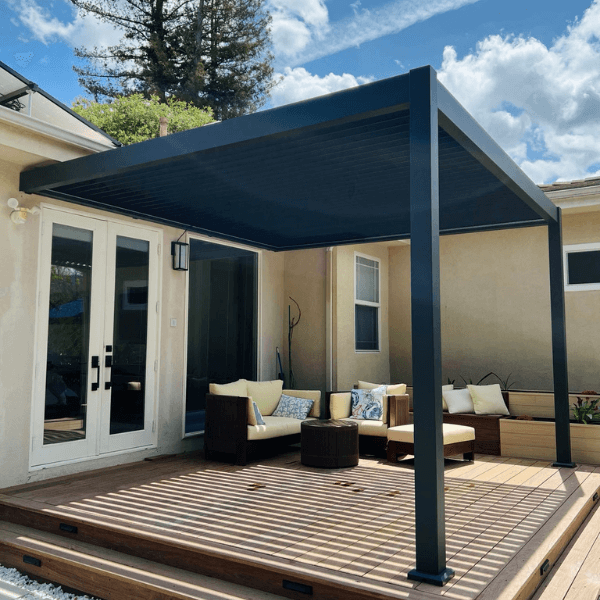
{"x": 535, "y": 439}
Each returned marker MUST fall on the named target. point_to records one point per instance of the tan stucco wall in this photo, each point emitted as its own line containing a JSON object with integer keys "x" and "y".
{"x": 305, "y": 282}
{"x": 495, "y": 308}
{"x": 19, "y": 246}
{"x": 271, "y": 312}
{"x": 350, "y": 365}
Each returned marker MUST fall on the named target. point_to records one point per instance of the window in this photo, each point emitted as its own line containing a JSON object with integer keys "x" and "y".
{"x": 366, "y": 303}
{"x": 582, "y": 267}
{"x": 222, "y": 322}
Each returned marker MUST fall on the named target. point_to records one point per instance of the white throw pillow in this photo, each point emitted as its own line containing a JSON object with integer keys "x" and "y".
{"x": 458, "y": 401}
{"x": 446, "y": 388}
{"x": 488, "y": 400}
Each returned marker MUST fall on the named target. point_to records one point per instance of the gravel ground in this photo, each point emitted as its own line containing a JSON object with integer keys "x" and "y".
{"x": 15, "y": 585}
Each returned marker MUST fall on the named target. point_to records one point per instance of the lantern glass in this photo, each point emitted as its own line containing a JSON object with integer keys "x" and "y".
{"x": 181, "y": 255}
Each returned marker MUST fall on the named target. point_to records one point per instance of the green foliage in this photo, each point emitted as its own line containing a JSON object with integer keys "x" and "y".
{"x": 132, "y": 119}
{"x": 586, "y": 409}
{"x": 212, "y": 53}
{"x": 505, "y": 384}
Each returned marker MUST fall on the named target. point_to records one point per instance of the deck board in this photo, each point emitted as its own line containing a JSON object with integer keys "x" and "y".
{"x": 354, "y": 527}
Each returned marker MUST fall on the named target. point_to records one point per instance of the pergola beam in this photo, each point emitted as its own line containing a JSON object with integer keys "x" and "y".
{"x": 456, "y": 121}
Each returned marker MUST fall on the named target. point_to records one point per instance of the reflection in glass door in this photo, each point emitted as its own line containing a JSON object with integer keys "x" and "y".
{"x": 68, "y": 335}
{"x": 130, "y": 334}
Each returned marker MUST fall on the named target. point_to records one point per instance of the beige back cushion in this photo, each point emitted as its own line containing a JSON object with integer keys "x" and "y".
{"x": 396, "y": 390}
{"x": 340, "y": 404}
{"x": 236, "y": 388}
{"x": 314, "y": 395}
{"x": 266, "y": 394}
{"x": 365, "y": 385}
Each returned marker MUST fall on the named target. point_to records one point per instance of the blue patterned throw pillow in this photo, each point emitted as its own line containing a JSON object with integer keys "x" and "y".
{"x": 257, "y": 415}
{"x": 292, "y": 407}
{"x": 367, "y": 404}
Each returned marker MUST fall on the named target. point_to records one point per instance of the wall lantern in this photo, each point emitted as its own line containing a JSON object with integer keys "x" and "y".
{"x": 19, "y": 214}
{"x": 181, "y": 256}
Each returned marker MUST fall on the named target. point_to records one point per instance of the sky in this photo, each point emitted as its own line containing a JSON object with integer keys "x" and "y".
{"x": 527, "y": 70}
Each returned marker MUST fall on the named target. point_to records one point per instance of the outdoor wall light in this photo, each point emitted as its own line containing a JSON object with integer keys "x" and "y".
{"x": 19, "y": 215}
{"x": 181, "y": 256}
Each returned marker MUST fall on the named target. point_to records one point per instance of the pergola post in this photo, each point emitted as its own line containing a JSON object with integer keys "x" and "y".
{"x": 426, "y": 337}
{"x": 559, "y": 345}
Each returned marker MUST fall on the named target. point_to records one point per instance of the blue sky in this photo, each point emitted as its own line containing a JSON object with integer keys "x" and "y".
{"x": 528, "y": 70}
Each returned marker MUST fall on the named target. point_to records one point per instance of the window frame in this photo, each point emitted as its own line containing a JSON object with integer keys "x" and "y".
{"x": 578, "y": 248}
{"x": 376, "y": 305}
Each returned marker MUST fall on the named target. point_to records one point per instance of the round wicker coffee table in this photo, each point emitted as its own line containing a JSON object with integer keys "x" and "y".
{"x": 332, "y": 443}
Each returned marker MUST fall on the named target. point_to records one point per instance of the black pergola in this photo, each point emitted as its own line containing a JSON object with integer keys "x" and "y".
{"x": 398, "y": 158}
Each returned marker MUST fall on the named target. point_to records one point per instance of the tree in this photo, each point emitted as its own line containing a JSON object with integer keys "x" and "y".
{"x": 132, "y": 119}
{"x": 212, "y": 53}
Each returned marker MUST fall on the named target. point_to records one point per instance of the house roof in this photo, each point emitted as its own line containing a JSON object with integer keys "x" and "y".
{"x": 570, "y": 185}
{"x": 22, "y": 95}
{"x": 326, "y": 171}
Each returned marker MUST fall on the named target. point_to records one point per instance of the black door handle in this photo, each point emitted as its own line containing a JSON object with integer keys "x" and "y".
{"x": 108, "y": 365}
{"x": 96, "y": 365}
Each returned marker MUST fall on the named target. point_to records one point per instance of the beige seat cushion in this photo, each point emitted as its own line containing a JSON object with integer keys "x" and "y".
{"x": 452, "y": 433}
{"x": 266, "y": 394}
{"x": 236, "y": 388}
{"x": 368, "y": 427}
{"x": 274, "y": 427}
{"x": 314, "y": 395}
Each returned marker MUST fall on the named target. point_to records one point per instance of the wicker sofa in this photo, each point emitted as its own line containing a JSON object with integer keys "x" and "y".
{"x": 230, "y": 433}
{"x": 373, "y": 433}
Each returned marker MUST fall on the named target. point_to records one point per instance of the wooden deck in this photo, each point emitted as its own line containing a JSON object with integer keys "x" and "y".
{"x": 339, "y": 533}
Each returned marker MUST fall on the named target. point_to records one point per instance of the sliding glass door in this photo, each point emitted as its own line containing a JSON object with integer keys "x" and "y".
{"x": 222, "y": 322}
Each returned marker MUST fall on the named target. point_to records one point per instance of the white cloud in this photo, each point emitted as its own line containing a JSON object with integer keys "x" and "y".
{"x": 541, "y": 103}
{"x": 296, "y": 23}
{"x": 363, "y": 25}
{"x": 79, "y": 31}
{"x": 298, "y": 84}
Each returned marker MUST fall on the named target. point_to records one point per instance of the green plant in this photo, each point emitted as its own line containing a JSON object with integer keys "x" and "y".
{"x": 586, "y": 409}
{"x": 505, "y": 384}
{"x": 470, "y": 382}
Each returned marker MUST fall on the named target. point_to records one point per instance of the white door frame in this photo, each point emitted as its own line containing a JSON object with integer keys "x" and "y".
{"x": 94, "y": 445}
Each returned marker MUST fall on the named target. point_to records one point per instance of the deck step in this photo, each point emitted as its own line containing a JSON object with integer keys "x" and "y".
{"x": 108, "y": 574}
{"x": 576, "y": 574}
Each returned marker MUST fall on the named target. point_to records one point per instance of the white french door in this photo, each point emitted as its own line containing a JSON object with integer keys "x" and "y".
{"x": 96, "y": 365}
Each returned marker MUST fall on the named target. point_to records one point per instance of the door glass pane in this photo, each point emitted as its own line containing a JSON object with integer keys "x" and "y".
{"x": 221, "y": 322}
{"x": 68, "y": 335}
{"x": 130, "y": 335}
